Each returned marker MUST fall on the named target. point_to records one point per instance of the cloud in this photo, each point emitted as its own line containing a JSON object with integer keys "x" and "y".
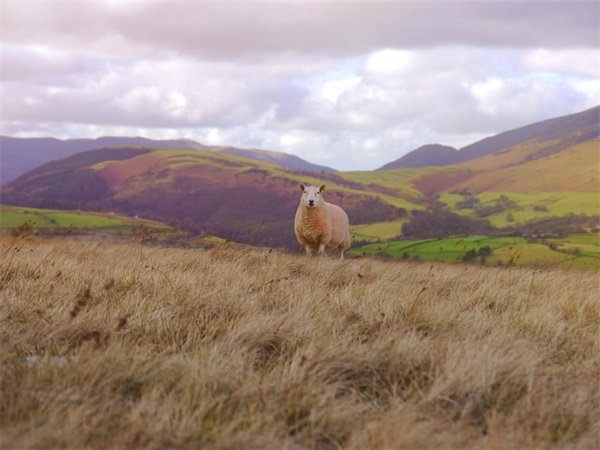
{"x": 351, "y": 85}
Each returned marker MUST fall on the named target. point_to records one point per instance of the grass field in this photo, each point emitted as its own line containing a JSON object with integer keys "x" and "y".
{"x": 580, "y": 251}
{"x": 12, "y": 217}
{"x": 134, "y": 346}
{"x": 527, "y": 206}
{"x": 377, "y": 231}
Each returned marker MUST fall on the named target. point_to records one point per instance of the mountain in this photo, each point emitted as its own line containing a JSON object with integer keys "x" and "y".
{"x": 20, "y": 155}
{"x": 581, "y": 126}
{"x": 200, "y": 191}
{"x": 426, "y": 155}
{"x": 279, "y": 158}
{"x": 552, "y": 171}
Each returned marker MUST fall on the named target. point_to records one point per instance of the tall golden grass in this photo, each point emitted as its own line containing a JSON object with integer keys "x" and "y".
{"x": 122, "y": 345}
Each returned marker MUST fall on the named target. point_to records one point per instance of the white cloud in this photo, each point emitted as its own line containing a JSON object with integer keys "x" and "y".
{"x": 350, "y": 85}
{"x": 580, "y": 61}
{"x": 331, "y": 90}
{"x": 388, "y": 65}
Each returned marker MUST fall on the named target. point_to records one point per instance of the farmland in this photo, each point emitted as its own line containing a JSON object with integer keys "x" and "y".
{"x": 525, "y": 207}
{"x": 579, "y": 251}
{"x": 50, "y": 220}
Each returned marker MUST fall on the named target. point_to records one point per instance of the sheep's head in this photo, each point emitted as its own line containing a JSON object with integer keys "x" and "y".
{"x": 311, "y": 195}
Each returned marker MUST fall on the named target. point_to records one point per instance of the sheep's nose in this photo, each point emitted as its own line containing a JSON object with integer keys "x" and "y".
{"x": 311, "y": 202}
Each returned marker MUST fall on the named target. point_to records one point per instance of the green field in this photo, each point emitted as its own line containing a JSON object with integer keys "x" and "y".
{"x": 12, "y": 217}
{"x": 528, "y": 207}
{"x": 377, "y": 231}
{"x": 578, "y": 251}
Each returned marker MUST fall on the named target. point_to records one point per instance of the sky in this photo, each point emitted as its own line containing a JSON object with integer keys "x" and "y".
{"x": 351, "y": 85}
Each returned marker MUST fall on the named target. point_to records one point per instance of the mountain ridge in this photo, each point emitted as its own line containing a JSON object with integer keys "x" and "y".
{"x": 426, "y": 155}
{"x": 19, "y": 155}
{"x": 249, "y": 200}
{"x": 200, "y": 191}
{"x": 438, "y": 155}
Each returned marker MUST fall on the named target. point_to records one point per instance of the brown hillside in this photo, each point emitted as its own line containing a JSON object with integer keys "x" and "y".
{"x": 115, "y": 173}
{"x": 133, "y": 346}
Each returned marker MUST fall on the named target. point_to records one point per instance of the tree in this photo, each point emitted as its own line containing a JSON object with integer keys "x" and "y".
{"x": 483, "y": 253}
{"x": 442, "y": 223}
{"x": 470, "y": 255}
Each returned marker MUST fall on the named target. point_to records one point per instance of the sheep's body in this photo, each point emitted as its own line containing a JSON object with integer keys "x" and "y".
{"x": 321, "y": 226}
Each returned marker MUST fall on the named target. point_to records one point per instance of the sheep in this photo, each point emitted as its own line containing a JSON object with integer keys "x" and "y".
{"x": 320, "y": 225}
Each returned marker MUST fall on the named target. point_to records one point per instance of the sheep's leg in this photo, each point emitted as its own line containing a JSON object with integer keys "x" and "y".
{"x": 322, "y": 250}
{"x": 308, "y": 249}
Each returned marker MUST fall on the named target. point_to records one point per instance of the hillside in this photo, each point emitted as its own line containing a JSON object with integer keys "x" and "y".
{"x": 196, "y": 190}
{"x": 581, "y": 127}
{"x": 424, "y": 156}
{"x": 134, "y": 346}
{"x": 20, "y": 155}
{"x": 554, "y": 174}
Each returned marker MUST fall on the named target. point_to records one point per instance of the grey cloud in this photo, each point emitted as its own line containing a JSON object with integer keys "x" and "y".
{"x": 225, "y": 30}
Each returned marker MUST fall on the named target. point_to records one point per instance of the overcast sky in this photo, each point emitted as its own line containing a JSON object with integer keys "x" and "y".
{"x": 350, "y": 85}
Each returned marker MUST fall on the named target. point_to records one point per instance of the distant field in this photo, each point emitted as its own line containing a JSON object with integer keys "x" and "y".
{"x": 12, "y": 217}
{"x": 579, "y": 251}
{"x": 529, "y": 207}
{"x": 377, "y": 231}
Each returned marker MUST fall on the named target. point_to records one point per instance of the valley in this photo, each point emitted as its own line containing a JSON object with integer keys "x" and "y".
{"x": 538, "y": 180}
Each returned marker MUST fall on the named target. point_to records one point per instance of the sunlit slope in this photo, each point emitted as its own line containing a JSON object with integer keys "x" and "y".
{"x": 575, "y": 169}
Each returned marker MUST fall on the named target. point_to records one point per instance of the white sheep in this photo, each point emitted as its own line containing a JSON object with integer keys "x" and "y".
{"x": 319, "y": 225}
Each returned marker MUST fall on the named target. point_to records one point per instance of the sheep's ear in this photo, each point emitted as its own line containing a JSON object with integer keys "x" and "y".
{"x": 302, "y": 187}
{"x": 322, "y": 188}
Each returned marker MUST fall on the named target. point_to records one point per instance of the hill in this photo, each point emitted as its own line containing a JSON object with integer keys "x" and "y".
{"x": 19, "y": 155}
{"x": 581, "y": 127}
{"x": 552, "y": 174}
{"x": 427, "y": 155}
{"x": 196, "y": 190}
{"x": 135, "y": 346}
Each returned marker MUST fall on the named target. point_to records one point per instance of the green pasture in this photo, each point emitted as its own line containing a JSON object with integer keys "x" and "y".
{"x": 377, "y": 231}
{"x": 13, "y": 216}
{"x": 583, "y": 245}
{"x": 451, "y": 249}
{"x": 553, "y": 204}
{"x": 505, "y": 250}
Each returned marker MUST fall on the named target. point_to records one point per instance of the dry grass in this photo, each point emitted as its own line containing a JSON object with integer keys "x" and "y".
{"x": 129, "y": 346}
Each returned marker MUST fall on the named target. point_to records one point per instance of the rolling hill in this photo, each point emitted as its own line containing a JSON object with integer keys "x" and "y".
{"x": 19, "y": 155}
{"x": 199, "y": 191}
{"x": 537, "y": 172}
{"x": 580, "y": 127}
{"x": 426, "y": 155}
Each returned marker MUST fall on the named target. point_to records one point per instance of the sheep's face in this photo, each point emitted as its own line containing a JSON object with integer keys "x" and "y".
{"x": 312, "y": 196}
